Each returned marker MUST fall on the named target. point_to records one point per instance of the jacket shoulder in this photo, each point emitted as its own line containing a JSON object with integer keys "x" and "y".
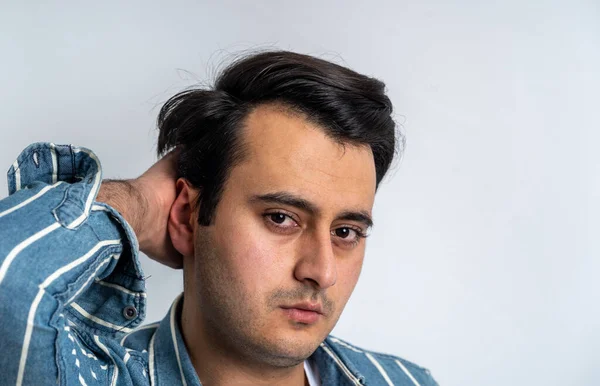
{"x": 380, "y": 368}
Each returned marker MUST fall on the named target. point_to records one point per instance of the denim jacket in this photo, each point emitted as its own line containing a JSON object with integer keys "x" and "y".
{"x": 72, "y": 295}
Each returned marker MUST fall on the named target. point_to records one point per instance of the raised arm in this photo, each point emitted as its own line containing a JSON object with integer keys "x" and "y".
{"x": 67, "y": 243}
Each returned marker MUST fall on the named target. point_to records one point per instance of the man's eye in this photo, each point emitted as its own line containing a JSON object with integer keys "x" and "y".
{"x": 345, "y": 233}
{"x": 281, "y": 220}
{"x": 278, "y": 218}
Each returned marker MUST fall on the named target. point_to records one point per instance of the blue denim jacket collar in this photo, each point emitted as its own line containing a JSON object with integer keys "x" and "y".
{"x": 169, "y": 359}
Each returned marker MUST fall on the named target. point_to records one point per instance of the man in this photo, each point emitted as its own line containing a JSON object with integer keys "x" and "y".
{"x": 264, "y": 199}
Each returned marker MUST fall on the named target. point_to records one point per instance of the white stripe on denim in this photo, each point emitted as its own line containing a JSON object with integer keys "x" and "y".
{"x": 381, "y": 370}
{"x": 101, "y": 322}
{"x": 93, "y": 192}
{"x": 173, "y": 335}
{"x": 408, "y": 374}
{"x": 116, "y": 257}
{"x": 103, "y": 348}
{"x": 38, "y": 298}
{"x": 30, "y": 199}
{"x": 121, "y": 288}
{"x": 17, "y": 175}
{"x": 22, "y": 245}
{"x": 87, "y": 354}
{"x": 341, "y": 365}
{"x": 54, "y": 163}
{"x": 126, "y": 357}
{"x": 82, "y": 381}
{"x": 28, "y": 332}
{"x": 151, "y": 359}
{"x": 341, "y": 343}
{"x": 96, "y": 207}
{"x": 153, "y": 325}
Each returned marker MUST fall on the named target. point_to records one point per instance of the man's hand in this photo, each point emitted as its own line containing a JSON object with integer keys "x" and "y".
{"x": 145, "y": 202}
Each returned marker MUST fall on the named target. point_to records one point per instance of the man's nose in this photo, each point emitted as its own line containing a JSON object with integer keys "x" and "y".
{"x": 317, "y": 262}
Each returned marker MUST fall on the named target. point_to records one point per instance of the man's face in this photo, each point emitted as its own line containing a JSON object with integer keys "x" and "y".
{"x": 286, "y": 236}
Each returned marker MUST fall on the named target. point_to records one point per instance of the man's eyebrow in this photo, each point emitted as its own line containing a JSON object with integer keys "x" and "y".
{"x": 361, "y": 216}
{"x": 290, "y": 199}
{"x": 286, "y": 198}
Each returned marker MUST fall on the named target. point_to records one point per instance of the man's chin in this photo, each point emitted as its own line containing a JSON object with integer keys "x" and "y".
{"x": 295, "y": 344}
{"x": 289, "y": 354}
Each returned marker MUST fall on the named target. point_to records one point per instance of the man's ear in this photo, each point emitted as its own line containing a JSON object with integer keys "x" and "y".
{"x": 182, "y": 220}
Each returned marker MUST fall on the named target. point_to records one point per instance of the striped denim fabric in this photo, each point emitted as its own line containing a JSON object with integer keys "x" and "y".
{"x": 72, "y": 293}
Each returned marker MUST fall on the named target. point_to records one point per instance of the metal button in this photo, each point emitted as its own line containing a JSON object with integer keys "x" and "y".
{"x": 130, "y": 312}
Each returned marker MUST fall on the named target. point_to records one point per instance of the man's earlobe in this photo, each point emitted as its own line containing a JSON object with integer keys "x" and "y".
{"x": 181, "y": 219}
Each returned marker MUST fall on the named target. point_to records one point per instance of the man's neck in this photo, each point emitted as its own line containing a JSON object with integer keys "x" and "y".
{"x": 217, "y": 365}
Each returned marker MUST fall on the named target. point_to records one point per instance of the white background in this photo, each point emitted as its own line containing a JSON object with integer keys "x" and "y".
{"x": 484, "y": 260}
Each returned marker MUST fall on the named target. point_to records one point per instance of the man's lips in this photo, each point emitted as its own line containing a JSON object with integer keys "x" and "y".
{"x": 305, "y": 306}
{"x": 307, "y": 313}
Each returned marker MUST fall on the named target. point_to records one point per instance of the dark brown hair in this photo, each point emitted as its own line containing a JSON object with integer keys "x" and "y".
{"x": 205, "y": 123}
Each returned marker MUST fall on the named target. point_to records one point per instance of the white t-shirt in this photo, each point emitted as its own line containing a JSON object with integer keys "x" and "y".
{"x": 312, "y": 373}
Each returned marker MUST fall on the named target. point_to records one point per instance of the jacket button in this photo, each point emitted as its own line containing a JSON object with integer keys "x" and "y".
{"x": 130, "y": 312}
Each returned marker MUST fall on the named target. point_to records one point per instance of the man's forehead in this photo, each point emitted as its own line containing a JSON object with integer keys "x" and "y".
{"x": 278, "y": 131}
{"x": 286, "y": 152}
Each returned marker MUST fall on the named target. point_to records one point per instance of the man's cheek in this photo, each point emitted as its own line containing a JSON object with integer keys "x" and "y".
{"x": 254, "y": 267}
{"x": 347, "y": 280}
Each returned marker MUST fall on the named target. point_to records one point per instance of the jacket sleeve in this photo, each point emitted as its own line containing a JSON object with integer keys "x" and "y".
{"x": 66, "y": 262}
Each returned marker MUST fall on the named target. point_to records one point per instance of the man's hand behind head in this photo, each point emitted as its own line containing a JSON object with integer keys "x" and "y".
{"x": 157, "y": 185}
{"x": 145, "y": 203}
